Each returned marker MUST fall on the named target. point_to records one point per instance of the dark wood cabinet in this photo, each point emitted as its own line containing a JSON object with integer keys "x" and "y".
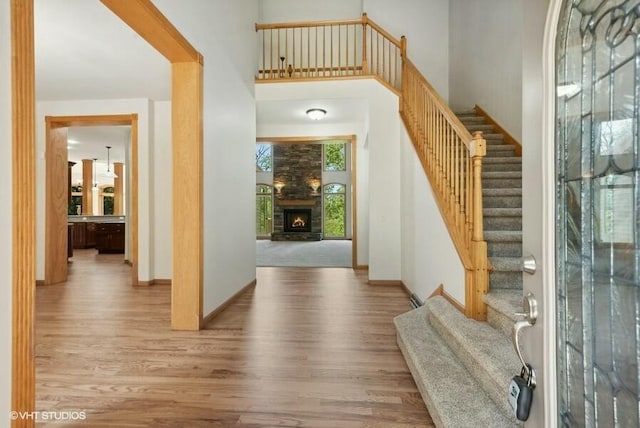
{"x": 84, "y": 235}
{"x": 110, "y": 237}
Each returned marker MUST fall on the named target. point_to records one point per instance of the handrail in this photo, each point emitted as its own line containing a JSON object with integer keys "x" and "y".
{"x": 305, "y": 24}
{"x": 329, "y": 50}
{"x": 452, "y": 160}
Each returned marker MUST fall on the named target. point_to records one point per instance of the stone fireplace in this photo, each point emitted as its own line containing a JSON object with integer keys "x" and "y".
{"x": 297, "y": 210}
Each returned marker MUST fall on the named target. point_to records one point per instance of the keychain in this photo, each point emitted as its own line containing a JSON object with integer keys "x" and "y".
{"x": 521, "y": 392}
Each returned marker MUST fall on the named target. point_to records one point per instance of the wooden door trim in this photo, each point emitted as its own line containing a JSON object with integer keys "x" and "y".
{"x": 187, "y": 129}
{"x": 354, "y": 189}
{"x": 54, "y": 122}
{"x": 24, "y": 176}
{"x": 23, "y": 209}
{"x": 150, "y": 24}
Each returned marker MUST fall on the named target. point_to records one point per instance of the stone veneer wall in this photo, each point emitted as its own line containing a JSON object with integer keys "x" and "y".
{"x": 295, "y": 165}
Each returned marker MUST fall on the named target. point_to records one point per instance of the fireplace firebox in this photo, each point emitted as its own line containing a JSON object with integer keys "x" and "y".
{"x": 297, "y": 219}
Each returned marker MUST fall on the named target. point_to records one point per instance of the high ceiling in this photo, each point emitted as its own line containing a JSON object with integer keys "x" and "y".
{"x": 84, "y": 51}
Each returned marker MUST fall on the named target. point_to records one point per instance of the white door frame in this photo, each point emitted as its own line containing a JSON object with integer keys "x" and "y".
{"x": 548, "y": 270}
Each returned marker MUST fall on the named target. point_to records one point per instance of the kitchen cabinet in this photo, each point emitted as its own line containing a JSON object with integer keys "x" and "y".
{"x": 110, "y": 237}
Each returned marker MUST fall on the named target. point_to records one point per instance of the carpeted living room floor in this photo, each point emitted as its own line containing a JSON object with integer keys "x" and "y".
{"x": 326, "y": 253}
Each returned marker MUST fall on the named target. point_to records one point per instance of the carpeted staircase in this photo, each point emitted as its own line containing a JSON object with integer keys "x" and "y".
{"x": 463, "y": 367}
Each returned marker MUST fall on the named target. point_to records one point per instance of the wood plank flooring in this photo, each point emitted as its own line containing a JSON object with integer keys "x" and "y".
{"x": 306, "y": 348}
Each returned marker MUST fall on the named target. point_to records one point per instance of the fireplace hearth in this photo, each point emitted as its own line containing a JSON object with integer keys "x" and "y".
{"x": 297, "y": 219}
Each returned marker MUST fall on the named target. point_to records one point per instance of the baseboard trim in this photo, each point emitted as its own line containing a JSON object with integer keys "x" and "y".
{"x": 448, "y": 297}
{"x": 39, "y": 282}
{"x": 208, "y": 318}
{"x": 406, "y": 289}
{"x": 128, "y": 263}
{"x": 362, "y": 267}
{"x": 391, "y": 282}
{"x": 157, "y": 281}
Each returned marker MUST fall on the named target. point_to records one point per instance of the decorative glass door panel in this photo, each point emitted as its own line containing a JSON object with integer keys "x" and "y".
{"x": 598, "y": 213}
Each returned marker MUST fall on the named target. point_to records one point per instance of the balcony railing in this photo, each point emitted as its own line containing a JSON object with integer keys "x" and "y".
{"x": 329, "y": 50}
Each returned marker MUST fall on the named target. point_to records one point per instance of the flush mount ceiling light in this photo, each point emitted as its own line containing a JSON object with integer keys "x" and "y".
{"x": 316, "y": 113}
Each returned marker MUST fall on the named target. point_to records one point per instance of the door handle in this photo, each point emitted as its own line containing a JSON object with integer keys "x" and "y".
{"x": 530, "y": 307}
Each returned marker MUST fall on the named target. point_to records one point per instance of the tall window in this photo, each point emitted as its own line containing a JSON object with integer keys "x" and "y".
{"x": 335, "y": 157}
{"x": 107, "y": 200}
{"x": 264, "y": 157}
{"x": 264, "y": 210}
{"x": 335, "y": 211}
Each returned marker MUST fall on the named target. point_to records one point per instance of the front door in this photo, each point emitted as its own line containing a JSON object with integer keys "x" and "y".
{"x": 597, "y": 212}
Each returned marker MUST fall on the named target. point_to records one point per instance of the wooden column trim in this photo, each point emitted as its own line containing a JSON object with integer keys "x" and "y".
{"x": 133, "y": 209}
{"x": 23, "y": 210}
{"x": 70, "y": 166}
{"x": 187, "y": 130}
{"x": 87, "y": 186}
{"x": 147, "y": 20}
{"x": 57, "y": 203}
{"x": 118, "y": 188}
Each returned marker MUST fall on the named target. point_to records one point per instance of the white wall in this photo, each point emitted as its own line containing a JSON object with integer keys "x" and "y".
{"x": 429, "y": 257}
{"x": 378, "y": 162}
{"x": 144, "y": 109}
{"x": 272, "y": 11}
{"x": 425, "y": 23}
{"x": 223, "y": 31}
{"x": 486, "y": 59}
{"x": 5, "y": 213}
{"x": 162, "y": 212}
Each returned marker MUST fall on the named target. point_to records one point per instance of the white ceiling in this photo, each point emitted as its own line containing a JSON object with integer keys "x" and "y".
{"x": 292, "y": 112}
{"x": 84, "y": 51}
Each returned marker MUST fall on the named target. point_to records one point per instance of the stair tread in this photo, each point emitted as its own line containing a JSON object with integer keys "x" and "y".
{"x": 486, "y": 352}
{"x": 502, "y": 174}
{"x": 471, "y": 112}
{"x": 503, "y": 159}
{"x": 509, "y": 191}
{"x": 506, "y": 264}
{"x": 503, "y": 235}
{"x": 497, "y": 212}
{"x": 506, "y": 302}
{"x": 452, "y": 396}
{"x": 492, "y": 136}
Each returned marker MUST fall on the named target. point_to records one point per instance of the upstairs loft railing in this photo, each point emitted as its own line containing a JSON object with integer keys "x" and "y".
{"x": 329, "y": 50}
{"x": 450, "y": 155}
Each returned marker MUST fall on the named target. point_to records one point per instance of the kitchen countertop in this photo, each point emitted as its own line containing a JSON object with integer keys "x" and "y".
{"x": 96, "y": 219}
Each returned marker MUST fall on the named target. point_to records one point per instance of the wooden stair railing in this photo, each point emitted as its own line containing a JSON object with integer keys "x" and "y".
{"x": 329, "y": 50}
{"x": 450, "y": 155}
{"x": 452, "y": 160}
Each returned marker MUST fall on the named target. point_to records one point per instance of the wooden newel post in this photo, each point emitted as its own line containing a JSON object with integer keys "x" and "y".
{"x": 478, "y": 244}
{"x": 365, "y": 22}
{"x": 478, "y": 151}
{"x": 403, "y": 47}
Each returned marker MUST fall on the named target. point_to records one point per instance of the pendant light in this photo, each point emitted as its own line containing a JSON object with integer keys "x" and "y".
{"x": 95, "y": 181}
{"x": 109, "y": 173}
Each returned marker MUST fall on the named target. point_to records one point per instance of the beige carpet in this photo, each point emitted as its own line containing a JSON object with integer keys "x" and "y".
{"x": 327, "y": 253}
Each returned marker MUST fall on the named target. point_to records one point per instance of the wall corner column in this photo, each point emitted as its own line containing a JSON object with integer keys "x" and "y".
{"x": 87, "y": 186}
{"x": 187, "y": 130}
{"x": 118, "y": 189}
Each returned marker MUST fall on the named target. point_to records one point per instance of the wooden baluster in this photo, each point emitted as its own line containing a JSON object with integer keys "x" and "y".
{"x": 271, "y": 53}
{"x": 355, "y": 50}
{"x": 364, "y": 43}
{"x": 331, "y": 48}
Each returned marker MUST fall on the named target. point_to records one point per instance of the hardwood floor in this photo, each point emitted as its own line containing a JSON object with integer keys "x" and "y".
{"x": 306, "y": 348}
